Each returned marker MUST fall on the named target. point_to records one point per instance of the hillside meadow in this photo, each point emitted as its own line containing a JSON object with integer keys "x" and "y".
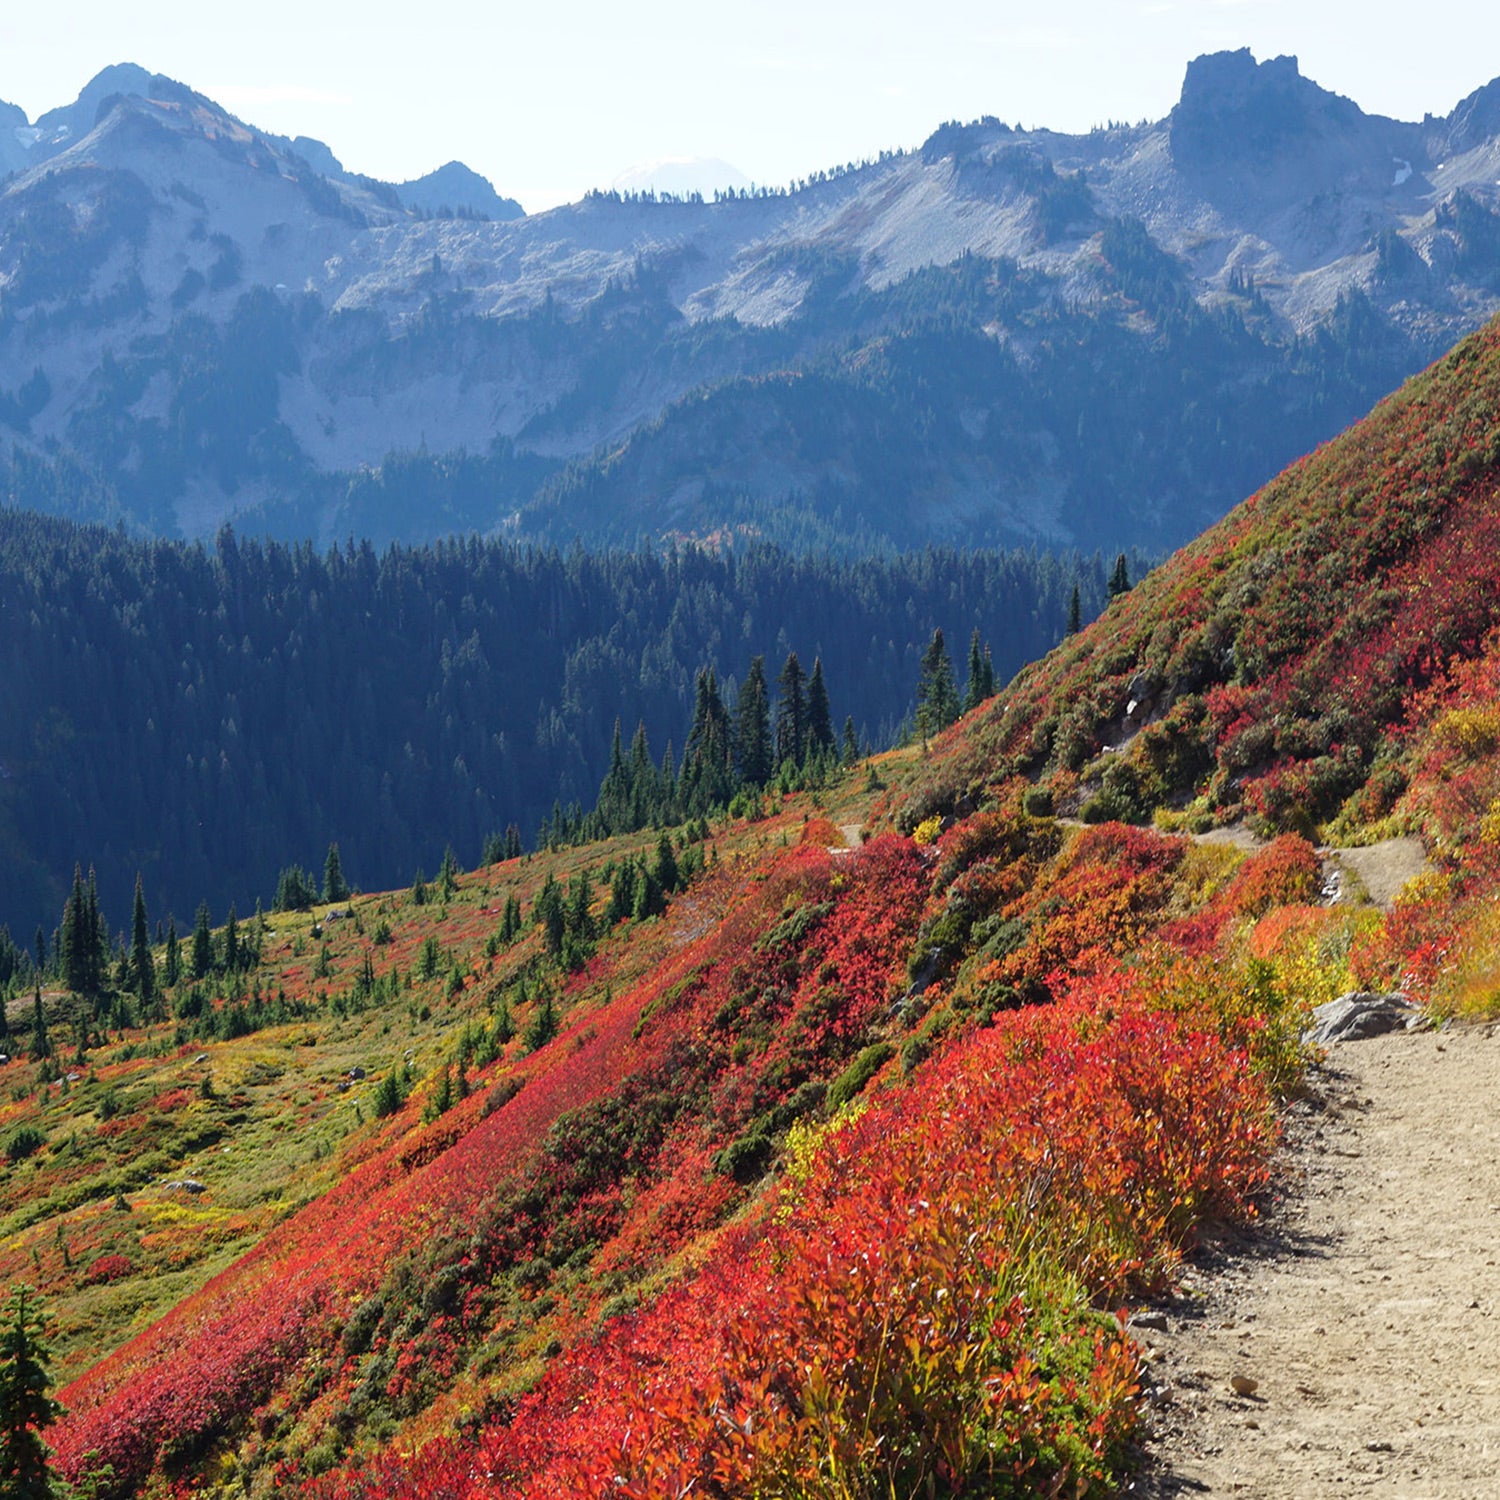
{"x": 841, "y": 1174}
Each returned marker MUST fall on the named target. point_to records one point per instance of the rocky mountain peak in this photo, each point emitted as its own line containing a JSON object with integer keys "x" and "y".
{"x": 1235, "y": 109}
{"x": 70, "y": 122}
{"x": 1474, "y": 120}
{"x": 1245, "y": 132}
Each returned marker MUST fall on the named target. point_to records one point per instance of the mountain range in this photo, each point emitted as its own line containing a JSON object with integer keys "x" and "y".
{"x": 202, "y": 322}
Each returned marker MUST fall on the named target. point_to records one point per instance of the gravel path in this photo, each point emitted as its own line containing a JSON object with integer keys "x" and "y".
{"x": 1363, "y": 1304}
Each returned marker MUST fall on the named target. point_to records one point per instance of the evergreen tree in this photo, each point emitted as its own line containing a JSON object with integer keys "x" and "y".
{"x": 41, "y": 1045}
{"x": 441, "y": 1099}
{"x": 233, "y": 958}
{"x": 643, "y": 781}
{"x": 819, "y": 714}
{"x": 95, "y": 926}
{"x": 142, "y": 964}
{"x": 707, "y": 778}
{"x": 621, "y": 894}
{"x": 791, "y": 713}
{"x": 98, "y": 949}
{"x": 448, "y": 873}
{"x": 203, "y": 943}
{"x": 937, "y": 697}
{"x": 550, "y": 913}
{"x": 172, "y": 965}
{"x": 77, "y": 938}
{"x": 648, "y": 896}
{"x": 26, "y": 1410}
{"x": 665, "y": 872}
{"x": 850, "y": 746}
{"x": 510, "y": 920}
{"x": 39, "y": 947}
{"x": 667, "y": 786}
{"x": 294, "y": 890}
{"x": 1075, "y": 612}
{"x": 389, "y": 1095}
{"x": 543, "y": 1025}
{"x": 1119, "y": 578}
{"x": 981, "y": 684}
{"x": 580, "y": 921}
{"x": 614, "y": 791}
{"x": 752, "y": 726}
{"x": 335, "y": 888}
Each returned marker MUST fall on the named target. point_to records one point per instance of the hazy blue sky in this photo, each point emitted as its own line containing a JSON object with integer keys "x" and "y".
{"x": 549, "y": 100}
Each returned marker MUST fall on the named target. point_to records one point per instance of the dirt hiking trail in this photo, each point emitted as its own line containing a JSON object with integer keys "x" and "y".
{"x": 1363, "y": 1304}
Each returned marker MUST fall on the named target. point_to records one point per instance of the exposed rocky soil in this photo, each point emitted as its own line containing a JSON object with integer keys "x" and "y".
{"x": 1363, "y": 1303}
{"x": 1381, "y": 869}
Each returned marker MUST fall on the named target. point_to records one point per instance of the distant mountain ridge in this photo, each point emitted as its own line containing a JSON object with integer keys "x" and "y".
{"x": 58, "y": 129}
{"x": 1089, "y": 340}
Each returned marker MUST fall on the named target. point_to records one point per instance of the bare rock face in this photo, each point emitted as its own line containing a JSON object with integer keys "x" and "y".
{"x": 1358, "y": 1015}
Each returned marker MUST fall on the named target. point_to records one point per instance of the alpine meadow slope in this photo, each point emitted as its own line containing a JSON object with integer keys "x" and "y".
{"x": 829, "y": 1175}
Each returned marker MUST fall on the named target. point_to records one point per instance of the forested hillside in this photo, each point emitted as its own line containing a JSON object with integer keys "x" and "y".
{"x": 210, "y": 715}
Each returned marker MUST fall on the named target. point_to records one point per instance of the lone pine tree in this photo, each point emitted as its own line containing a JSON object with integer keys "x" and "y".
{"x": 335, "y": 887}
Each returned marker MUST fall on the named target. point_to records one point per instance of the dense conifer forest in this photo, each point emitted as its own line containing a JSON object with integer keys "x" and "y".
{"x": 209, "y": 716}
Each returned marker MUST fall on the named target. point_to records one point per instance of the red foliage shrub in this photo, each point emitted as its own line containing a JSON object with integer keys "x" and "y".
{"x": 1285, "y": 873}
{"x": 107, "y": 1268}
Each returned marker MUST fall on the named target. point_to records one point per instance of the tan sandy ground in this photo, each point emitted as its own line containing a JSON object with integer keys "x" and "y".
{"x": 1363, "y": 1303}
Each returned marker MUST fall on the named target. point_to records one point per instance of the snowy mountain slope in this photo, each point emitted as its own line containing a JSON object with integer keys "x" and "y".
{"x": 144, "y": 216}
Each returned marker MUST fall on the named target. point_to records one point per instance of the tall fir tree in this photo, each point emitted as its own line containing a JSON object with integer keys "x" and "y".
{"x": 644, "y": 788}
{"x": 76, "y": 938}
{"x": 1075, "y": 612}
{"x": 172, "y": 963}
{"x": 752, "y": 726}
{"x": 937, "y": 697}
{"x": 708, "y": 757}
{"x": 448, "y": 873}
{"x": 850, "y": 744}
{"x": 819, "y": 714}
{"x": 41, "y": 1044}
{"x": 98, "y": 951}
{"x": 665, "y": 870}
{"x": 791, "y": 712}
{"x": 142, "y": 964}
{"x": 981, "y": 684}
{"x": 232, "y": 955}
{"x": 335, "y": 887}
{"x": 203, "y": 943}
{"x": 26, "y": 1409}
{"x": 614, "y": 790}
{"x": 1119, "y": 578}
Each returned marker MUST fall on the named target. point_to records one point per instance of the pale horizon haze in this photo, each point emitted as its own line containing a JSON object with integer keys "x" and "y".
{"x": 548, "y": 103}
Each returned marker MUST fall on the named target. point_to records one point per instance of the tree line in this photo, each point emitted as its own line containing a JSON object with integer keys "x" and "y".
{"x": 209, "y": 715}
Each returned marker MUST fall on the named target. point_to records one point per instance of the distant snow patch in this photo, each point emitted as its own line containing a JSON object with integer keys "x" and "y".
{"x": 1403, "y": 171}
